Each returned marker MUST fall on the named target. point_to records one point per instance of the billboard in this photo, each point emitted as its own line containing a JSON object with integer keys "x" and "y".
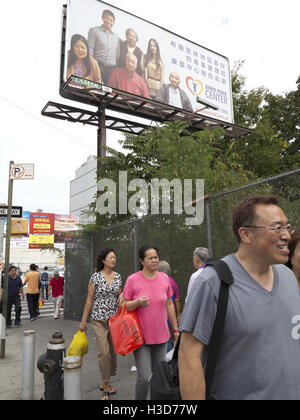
{"x": 42, "y": 223}
{"x": 40, "y": 241}
{"x": 41, "y": 230}
{"x": 64, "y": 226}
{"x": 107, "y": 45}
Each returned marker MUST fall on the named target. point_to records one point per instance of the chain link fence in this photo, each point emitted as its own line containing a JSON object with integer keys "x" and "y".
{"x": 174, "y": 239}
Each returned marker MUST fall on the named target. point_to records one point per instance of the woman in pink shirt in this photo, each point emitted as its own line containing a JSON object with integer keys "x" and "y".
{"x": 150, "y": 293}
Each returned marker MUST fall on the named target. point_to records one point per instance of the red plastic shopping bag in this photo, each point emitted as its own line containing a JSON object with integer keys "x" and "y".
{"x": 126, "y": 331}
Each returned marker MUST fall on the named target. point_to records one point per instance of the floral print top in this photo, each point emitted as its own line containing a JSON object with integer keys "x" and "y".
{"x": 106, "y": 297}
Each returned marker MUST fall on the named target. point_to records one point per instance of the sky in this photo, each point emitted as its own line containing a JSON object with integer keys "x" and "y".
{"x": 263, "y": 33}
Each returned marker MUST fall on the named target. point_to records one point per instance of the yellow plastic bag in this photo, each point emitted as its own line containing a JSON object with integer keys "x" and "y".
{"x": 79, "y": 345}
{"x": 41, "y": 302}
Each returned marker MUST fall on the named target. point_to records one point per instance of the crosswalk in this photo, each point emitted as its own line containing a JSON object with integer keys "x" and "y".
{"x": 45, "y": 311}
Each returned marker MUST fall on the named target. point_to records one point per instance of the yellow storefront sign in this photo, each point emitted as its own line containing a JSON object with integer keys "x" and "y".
{"x": 37, "y": 240}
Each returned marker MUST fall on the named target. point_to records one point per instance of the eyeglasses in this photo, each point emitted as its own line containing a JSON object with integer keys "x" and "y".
{"x": 276, "y": 228}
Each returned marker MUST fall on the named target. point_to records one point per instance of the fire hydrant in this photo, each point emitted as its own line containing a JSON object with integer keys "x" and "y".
{"x": 50, "y": 364}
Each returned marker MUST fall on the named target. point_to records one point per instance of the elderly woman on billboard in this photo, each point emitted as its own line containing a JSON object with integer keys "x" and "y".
{"x": 153, "y": 68}
{"x": 129, "y": 46}
{"x": 80, "y": 63}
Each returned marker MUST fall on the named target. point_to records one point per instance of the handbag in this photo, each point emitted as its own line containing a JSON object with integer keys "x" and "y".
{"x": 165, "y": 377}
{"x": 126, "y": 331}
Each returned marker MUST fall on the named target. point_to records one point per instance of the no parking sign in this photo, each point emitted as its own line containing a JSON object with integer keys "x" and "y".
{"x": 22, "y": 171}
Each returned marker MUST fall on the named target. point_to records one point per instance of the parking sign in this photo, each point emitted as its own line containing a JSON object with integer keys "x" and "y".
{"x": 22, "y": 171}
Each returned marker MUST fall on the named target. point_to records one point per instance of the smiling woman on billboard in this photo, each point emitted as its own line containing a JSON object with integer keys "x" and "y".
{"x": 80, "y": 63}
{"x": 154, "y": 69}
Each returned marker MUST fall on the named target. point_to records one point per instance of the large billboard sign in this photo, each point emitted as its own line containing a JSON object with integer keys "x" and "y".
{"x": 42, "y": 223}
{"x": 107, "y": 45}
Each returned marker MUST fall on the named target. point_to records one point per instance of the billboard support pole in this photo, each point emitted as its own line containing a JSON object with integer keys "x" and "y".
{"x": 7, "y": 256}
{"x": 101, "y": 141}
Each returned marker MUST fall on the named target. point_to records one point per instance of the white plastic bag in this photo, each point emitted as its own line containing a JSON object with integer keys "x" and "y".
{"x": 169, "y": 355}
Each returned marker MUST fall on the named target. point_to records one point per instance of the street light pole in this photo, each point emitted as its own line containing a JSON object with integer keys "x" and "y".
{"x": 7, "y": 255}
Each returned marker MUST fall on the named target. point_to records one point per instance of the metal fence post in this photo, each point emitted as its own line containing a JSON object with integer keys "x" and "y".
{"x": 208, "y": 224}
{"x": 136, "y": 255}
{"x": 92, "y": 252}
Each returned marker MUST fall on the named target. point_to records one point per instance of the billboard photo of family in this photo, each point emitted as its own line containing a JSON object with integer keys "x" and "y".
{"x": 109, "y": 46}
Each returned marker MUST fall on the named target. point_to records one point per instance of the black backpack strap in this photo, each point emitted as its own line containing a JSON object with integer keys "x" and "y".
{"x": 226, "y": 277}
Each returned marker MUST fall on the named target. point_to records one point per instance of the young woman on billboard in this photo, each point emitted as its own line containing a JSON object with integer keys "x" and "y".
{"x": 154, "y": 69}
{"x": 80, "y": 63}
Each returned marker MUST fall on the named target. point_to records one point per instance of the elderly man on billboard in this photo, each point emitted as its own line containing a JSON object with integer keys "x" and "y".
{"x": 105, "y": 45}
{"x": 127, "y": 78}
{"x": 171, "y": 94}
{"x": 129, "y": 46}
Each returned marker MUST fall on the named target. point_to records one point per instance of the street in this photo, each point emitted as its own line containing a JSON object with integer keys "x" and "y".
{"x": 45, "y": 327}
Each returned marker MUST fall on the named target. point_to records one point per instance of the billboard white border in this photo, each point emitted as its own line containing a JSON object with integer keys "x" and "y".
{"x": 100, "y": 6}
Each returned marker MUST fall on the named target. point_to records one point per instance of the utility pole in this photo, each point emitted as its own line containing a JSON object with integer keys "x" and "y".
{"x": 7, "y": 255}
{"x": 1, "y": 240}
{"x": 16, "y": 172}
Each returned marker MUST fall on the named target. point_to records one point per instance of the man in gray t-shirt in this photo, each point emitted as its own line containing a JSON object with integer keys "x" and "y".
{"x": 259, "y": 357}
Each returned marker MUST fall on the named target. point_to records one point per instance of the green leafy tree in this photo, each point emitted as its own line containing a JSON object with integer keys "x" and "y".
{"x": 170, "y": 152}
{"x": 284, "y": 114}
{"x": 263, "y": 151}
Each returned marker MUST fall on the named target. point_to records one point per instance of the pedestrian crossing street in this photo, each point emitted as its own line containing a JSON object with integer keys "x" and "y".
{"x": 45, "y": 311}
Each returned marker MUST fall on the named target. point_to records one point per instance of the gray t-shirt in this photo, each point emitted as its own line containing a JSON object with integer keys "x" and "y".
{"x": 260, "y": 354}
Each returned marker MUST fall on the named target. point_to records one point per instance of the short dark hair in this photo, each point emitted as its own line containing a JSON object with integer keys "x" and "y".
{"x": 244, "y": 213}
{"x": 108, "y": 12}
{"x": 33, "y": 267}
{"x": 103, "y": 254}
{"x": 142, "y": 253}
{"x": 295, "y": 239}
{"x": 11, "y": 267}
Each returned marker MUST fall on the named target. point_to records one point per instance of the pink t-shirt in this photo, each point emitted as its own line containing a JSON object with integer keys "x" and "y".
{"x": 153, "y": 318}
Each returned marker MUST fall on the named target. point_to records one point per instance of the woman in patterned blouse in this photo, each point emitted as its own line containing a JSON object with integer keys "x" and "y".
{"x": 103, "y": 301}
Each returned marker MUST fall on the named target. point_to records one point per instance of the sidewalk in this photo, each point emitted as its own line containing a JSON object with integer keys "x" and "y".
{"x": 11, "y": 366}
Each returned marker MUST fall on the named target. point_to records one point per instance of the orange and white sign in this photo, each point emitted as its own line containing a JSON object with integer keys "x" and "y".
{"x": 22, "y": 171}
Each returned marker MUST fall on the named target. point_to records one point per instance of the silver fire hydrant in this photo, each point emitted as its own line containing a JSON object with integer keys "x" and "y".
{"x": 50, "y": 364}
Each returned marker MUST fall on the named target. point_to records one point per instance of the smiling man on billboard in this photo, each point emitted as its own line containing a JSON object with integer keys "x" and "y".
{"x": 105, "y": 45}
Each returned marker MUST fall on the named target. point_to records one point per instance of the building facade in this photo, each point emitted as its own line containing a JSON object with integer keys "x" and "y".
{"x": 83, "y": 190}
